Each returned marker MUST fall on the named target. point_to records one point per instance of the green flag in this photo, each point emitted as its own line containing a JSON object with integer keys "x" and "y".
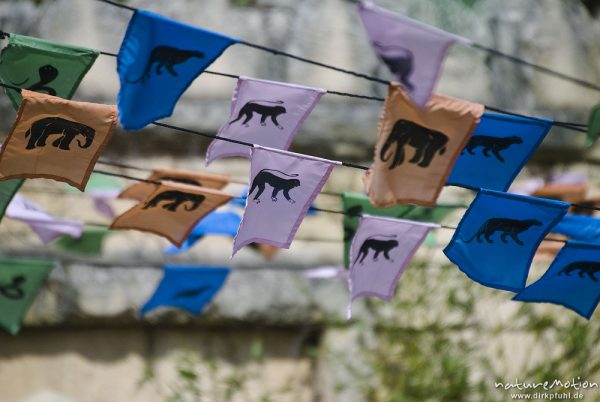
{"x": 89, "y": 244}
{"x": 8, "y": 188}
{"x": 43, "y": 66}
{"x": 357, "y": 203}
{"x": 593, "y": 131}
{"x": 20, "y": 282}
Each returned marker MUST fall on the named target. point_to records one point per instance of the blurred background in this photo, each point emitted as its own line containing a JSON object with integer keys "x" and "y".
{"x": 272, "y": 334}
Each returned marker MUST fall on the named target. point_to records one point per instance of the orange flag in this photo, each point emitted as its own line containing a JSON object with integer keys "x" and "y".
{"x": 141, "y": 191}
{"x": 56, "y": 139}
{"x": 172, "y": 211}
{"x": 416, "y": 148}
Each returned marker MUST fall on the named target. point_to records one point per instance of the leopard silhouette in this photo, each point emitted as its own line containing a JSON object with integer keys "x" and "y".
{"x": 378, "y": 246}
{"x": 265, "y": 177}
{"x": 167, "y": 57}
{"x": 13, "y": 290}
{"x": 185, "y": 294}
{"x": 176, "y": 199}
{"x": 588, "y": 268}
{"x": 47, "y": 73}
{"x": 493, "y": 144}
{"x": 265, "y": 111}
{"x": 507, "y": 227}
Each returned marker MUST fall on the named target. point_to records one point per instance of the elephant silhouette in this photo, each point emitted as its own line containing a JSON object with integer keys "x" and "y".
{"x": 427, "y": 143}
{"x": 399, "y": 60}
{"x": 41, "y": 129}
{"x": 176, "y": 199}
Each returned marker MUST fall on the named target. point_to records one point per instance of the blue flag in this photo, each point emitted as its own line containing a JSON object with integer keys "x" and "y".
{"x": 189, "y": 288}
{"x": 497, "y": 237}
{"x": 573, "y": 280}
{"x": 497, "y": 150}
{"x": 158, "y": 60}
{"x": 579, "y": 227}
{"x": 216, "y": 223}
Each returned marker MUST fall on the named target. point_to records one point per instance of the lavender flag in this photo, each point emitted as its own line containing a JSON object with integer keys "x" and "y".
{"x": 283, "y": 187}
{"x": 380, "y": 251}
{"x": 266, "y": 113}
{"x": 413, "y": 51}
{"x": 44, "y": 225}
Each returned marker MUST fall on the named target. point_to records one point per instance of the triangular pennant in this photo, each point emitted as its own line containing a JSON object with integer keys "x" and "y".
{"x": 8, "y": 189}
{"x": 497, "y": 237}
{"x": 88, "y": 244}
{"x": 266, "y": 113}
{"x": 158, "y": 60}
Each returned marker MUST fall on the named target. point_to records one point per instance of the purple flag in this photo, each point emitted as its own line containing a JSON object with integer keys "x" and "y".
{"x": 266, "y": 113}
{"x": 380, "y": 251}
{"x": 283, "y": 187}
{"x": 101, "y": 198}
{"x": 413, "y": 51}
{"x": 43, "y": 224}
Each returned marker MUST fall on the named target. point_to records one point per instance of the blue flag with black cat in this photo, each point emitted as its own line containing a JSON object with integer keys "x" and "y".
{"x": 497, "y": 151}
{"x": 158, "y": 60}
{"x": 572, "y": 281}
{"x": 497, "y": 237}
{"x": 579, "y": 227}
{"x": 189, "y": 288}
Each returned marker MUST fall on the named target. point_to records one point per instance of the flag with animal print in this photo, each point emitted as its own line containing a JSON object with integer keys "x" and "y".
{"x": 55, "y": 138}
{"x": 414, "y": 52}
{"x": 172, "y": 210}
{"x": 189, "y": 288}
{"x": 283, "y": 186}
{"x": 380, "y": 251}
{"x": 497, "y": 151}
{"x": 497, "y": 237}
{"x": 20, "y": 283}
{"x": 43, "y": 66}
{"x": 572, "y": 281}
{"x": 266, "y": 113}
{"x": 159, "y": 58}
{"x": 416, "y": 148}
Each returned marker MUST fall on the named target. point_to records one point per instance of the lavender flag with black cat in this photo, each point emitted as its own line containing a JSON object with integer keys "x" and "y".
{"x": 283, "y": 186}
{"x": 497, "y": 237}
{"x": 413, "y": 51}
{"x": 380, "y": 251}
{"x": 266, "y": 113}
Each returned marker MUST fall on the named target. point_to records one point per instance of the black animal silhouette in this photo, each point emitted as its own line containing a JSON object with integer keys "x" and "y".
{"x": 47, "y": 73}
{"x": 185, "y": 294}
{"x": 176, "y": 198}
{"x": 493, "y": 144}
{"x": 399, "y": 60}
{"x": 507, "y": 227}
{"x": 41, "y": 129}
{"x": 265, "y": 111}
{"x": 13, "y": 290}
{"x": 183, "y": 180}
{"x": 265, "y": 177}
{"x": 588, "y": 268}
{"x": 427, "y": 143}
{"x": 167, "y": 57}
{"x": 378, "y": 246}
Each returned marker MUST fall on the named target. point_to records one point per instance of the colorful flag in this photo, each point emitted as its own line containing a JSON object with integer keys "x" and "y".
{"x": 497, "y": 151}
{"x": 89, "y": 244}
{"x": 497, "y": 237}
{"x": 266, "y": 113}
{"x": 380, "y": 251}
{"x": 20, "y": 283}
{"x": 46, "y": 226}
{"x": 172, "y": 211}
{"x": 572, "y": 281}
{"x": 413, "y": 51}
{"x": 58, "y": 139}
{"x": 416, "y": 148}
{"x": 189, "y": 288}
{"x": 43, "y": 66}
{"x": 158, "y": 60}
{"x": 8, "y": 189}
{"x": 141, "y": 191}
{"x": 579, "y": 227}
{"x": 102, "y": 190}
{"x": 283, "y": 187}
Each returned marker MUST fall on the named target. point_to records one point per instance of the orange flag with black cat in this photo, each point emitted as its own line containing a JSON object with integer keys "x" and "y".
{"x": 172, "y": 210}
{"x": 416, "y": 148}
{"x": 56, "y": 139}
{"x": 141, "y": 191}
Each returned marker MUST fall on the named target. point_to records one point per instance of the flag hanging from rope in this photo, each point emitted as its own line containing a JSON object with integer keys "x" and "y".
{"x": 579, "y": 227}
{"x": 158, "y": 60}
{"x": 187, "y": 288}
{"x": 416, "y": 148}
{"x": 89, "y": 244}
{"x": 497, "y": 151}
{"x": 283, "y": 186}
{"x": 572, "y": 281}
{"x": 43, "y": 66}
{"x": 266, "y": 113}
{"x": 497, "y": 237}
{"x": 20, "y": 283}
{"x": 8, "y": 189}
{"x": 58, "y": 139}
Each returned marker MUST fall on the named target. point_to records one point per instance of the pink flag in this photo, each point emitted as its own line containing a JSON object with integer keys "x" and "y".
{"x": 283, "y": 187}
{"x": 266, "y": 113}
{"x": 43, "y": 224}
{"x": 413, "y": 51}
{"x": 380, "y": 251}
